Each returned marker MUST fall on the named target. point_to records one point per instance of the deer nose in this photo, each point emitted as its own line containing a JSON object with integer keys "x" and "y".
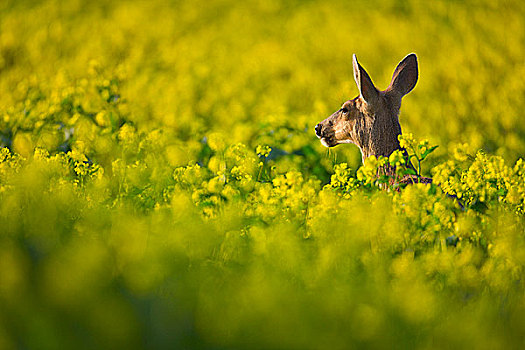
{"x": 318, "y": 130}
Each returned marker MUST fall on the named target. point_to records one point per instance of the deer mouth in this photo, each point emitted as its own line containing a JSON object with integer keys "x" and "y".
{"x": 328, "y": 141}
{"x": 325, "y": 135}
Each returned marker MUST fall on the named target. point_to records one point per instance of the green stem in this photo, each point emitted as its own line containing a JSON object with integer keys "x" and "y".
{"x": 260, "y": 171}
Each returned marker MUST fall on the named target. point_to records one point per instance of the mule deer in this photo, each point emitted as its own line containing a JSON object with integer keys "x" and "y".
{"x": 371, "y": 120}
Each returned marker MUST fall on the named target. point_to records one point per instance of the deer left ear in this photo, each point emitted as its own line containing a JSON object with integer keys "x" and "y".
{"x": 367, "y": 90}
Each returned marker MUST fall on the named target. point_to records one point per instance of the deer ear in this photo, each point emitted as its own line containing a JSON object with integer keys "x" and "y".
{"x": 405, "y": 75}
{"x": 367, "y": 90}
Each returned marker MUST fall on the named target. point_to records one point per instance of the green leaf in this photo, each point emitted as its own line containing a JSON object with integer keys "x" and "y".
{"x": 407, "y": 171}
{"x": 428, "y": 151}
{"x": 384, "y": 179}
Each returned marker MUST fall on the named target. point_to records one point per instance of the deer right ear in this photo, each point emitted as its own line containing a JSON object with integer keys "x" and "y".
{"x": 367, "y": 90}
{"x": 405, "y": 75}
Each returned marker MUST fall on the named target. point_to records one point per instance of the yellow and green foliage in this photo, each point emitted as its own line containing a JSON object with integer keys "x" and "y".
{"x": 161, "y": 185}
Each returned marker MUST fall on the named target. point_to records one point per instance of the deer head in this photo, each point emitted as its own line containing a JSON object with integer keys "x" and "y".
{"x": 371, "y": 120}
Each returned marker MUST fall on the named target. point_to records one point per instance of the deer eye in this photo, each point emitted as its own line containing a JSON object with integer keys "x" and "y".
{"x": 344, "y": 110}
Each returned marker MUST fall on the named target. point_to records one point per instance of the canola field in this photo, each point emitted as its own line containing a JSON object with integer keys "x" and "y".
{"x": 162, "y": 187}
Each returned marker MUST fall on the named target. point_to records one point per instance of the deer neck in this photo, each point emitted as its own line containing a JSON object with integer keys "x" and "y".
{"x": 378, "y": 133}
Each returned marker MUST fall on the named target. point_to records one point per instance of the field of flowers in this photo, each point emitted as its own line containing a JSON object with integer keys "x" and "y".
{"x": 161, "y": 185}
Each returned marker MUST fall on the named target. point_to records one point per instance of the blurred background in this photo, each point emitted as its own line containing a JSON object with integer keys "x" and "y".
{"x": 269, "y": 69}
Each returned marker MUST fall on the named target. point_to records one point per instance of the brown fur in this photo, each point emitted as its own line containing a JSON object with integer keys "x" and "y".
{"x": 371, "y": 120}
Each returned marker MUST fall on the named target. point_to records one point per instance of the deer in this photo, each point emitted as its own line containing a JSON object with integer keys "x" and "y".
{"x": 371, "y": 120}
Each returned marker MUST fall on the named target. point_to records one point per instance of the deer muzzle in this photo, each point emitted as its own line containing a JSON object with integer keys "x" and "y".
{"x": 326, "y": 135}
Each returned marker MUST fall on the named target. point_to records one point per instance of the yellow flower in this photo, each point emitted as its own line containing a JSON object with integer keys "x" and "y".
{"x": 263, "y": 151}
